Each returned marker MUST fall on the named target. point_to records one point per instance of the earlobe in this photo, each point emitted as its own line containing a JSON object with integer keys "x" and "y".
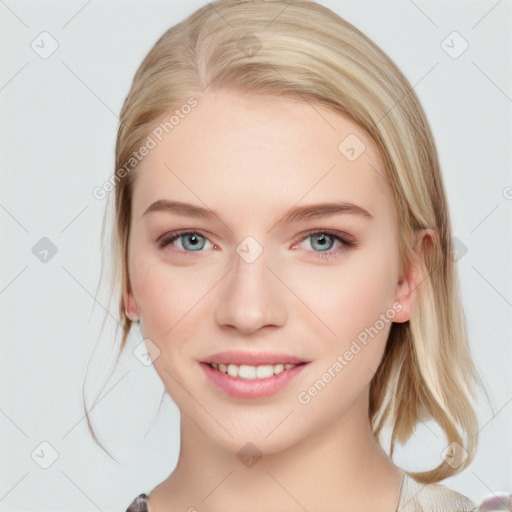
{"x": 130, "y": 307}
{"x": 406, "y": 292}
{"x": 405, "y": 296}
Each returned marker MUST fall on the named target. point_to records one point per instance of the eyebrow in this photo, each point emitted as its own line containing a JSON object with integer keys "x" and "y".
{"x": 295, "y": 214}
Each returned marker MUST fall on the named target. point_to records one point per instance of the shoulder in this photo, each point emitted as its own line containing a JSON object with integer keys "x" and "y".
{"x": 418, "y": 497}
{"x": 139, "y": 504}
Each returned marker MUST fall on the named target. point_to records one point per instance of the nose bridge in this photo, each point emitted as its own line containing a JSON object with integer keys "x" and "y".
{"x": 250, "y": 299}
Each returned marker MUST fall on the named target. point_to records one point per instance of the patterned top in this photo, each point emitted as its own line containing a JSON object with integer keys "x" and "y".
{"x": 139, "y": 504}
{"x": 414, "y": 497}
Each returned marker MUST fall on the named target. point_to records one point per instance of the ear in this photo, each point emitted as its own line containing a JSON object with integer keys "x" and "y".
{"x": 131, "y": 308}
{"x": 406, "y": 291}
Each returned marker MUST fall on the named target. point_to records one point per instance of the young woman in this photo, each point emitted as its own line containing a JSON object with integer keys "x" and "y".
{"x": 283, "y": 240}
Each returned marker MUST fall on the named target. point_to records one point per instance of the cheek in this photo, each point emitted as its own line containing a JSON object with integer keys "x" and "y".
{"x": 169, "y": 297}
{"x": 350, "y": 296}
{"x": 356, "y": 303}
{"x": 153, "y": 291}
{"x": 369, "y": 293}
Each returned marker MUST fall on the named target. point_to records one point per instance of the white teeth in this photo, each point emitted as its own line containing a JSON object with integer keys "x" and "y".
{"x": 264, "y": 372}
{"x": 245, "y": 371}
{"x": 278, "y": 368}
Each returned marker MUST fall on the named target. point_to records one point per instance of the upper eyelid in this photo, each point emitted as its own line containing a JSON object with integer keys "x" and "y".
{"x": 172, "y": 236}
{"x": 331, "y": 232}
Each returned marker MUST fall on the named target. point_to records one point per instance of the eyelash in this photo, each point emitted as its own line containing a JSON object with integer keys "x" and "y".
{"x": 168, "y": 238}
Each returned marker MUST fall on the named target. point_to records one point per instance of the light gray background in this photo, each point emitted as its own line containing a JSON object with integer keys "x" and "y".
{"x": 58, "y": 125}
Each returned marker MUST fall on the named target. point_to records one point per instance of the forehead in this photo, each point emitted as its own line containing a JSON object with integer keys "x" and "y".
{"x": 242, "y": 153}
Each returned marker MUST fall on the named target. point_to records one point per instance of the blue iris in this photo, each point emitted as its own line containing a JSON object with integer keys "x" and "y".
{"x": 195, "y": 242}
{"x": 322, "y": 241}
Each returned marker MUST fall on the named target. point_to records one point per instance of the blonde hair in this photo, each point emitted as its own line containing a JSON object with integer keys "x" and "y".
{"x": 304, "y": 50}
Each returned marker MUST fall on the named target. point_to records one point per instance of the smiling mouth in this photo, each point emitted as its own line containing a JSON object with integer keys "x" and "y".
{"x": 250, "y": 372}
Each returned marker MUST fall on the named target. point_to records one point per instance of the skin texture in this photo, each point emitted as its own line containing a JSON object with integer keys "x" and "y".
{"x": 252, "y": 158}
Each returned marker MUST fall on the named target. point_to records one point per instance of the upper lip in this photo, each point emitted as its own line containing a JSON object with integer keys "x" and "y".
{"x": 252, "y": 358}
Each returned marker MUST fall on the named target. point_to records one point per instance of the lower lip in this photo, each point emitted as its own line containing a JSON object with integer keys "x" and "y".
{"x": 251, "y": 388}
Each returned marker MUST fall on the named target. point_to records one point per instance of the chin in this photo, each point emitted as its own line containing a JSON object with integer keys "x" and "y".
{"x": 254, "y": 444}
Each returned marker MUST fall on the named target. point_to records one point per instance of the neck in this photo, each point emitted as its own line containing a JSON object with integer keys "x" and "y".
{"x": 342, "y": 464}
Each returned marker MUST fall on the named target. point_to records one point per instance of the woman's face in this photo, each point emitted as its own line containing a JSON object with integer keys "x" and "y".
{"x": 250, "y": 268}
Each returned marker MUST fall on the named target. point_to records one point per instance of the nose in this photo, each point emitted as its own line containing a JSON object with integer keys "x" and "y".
{"x": 251, "y": 297}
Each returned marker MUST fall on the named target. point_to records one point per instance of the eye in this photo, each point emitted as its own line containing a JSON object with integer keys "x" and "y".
{"x": 190, "y": 241}
{"x": 323, "y": 241}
